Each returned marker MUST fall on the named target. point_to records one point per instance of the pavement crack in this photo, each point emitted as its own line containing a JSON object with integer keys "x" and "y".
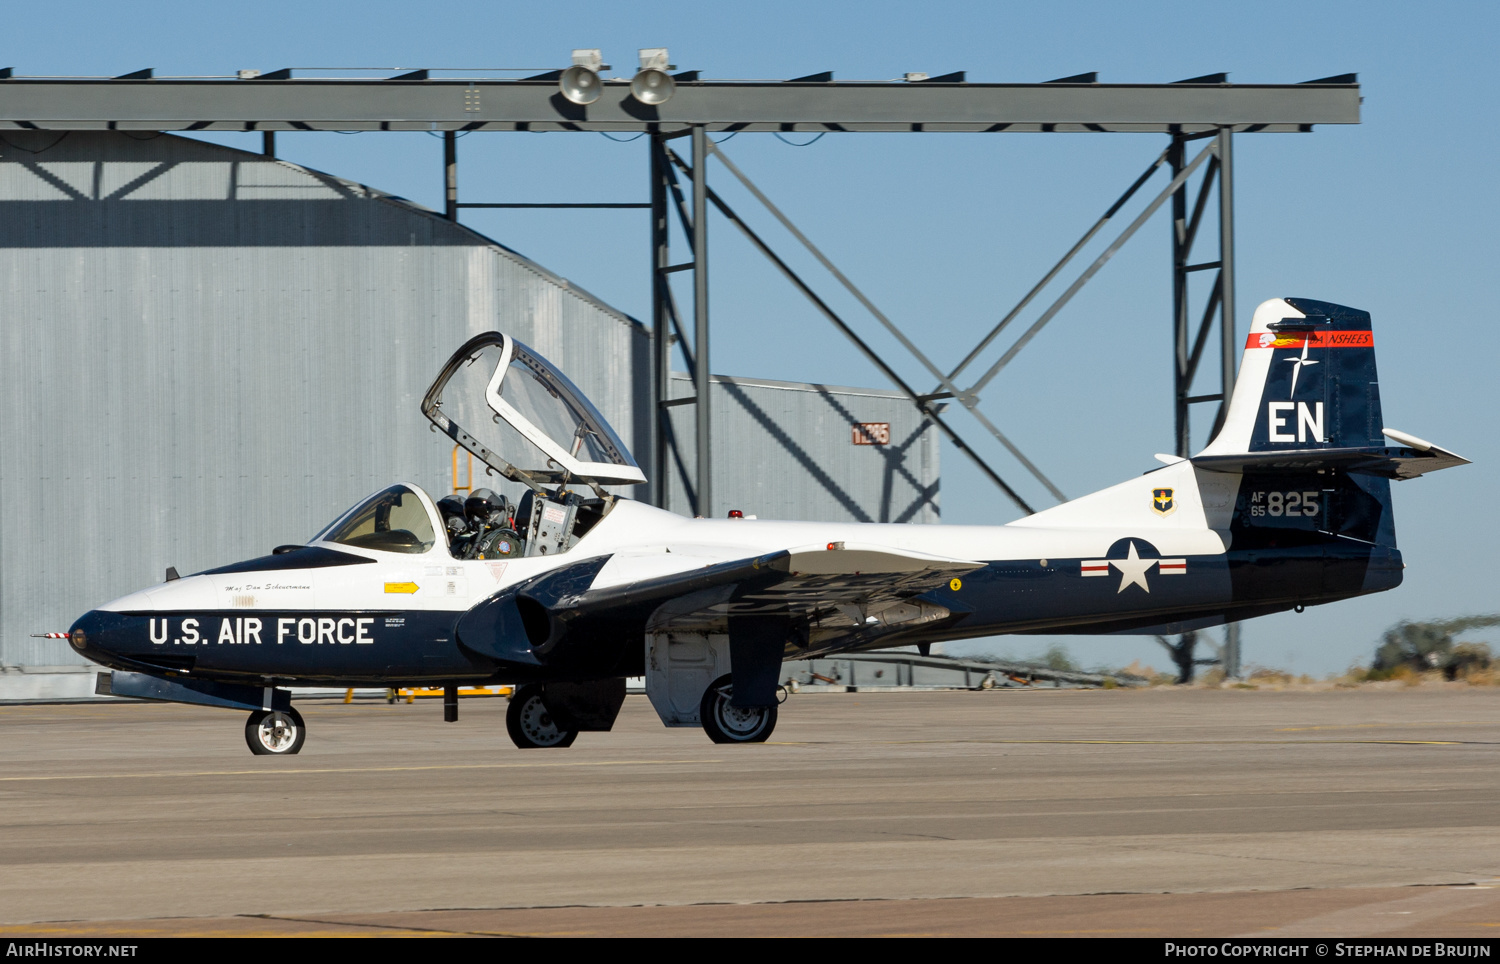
{"x": 444, "y": 931}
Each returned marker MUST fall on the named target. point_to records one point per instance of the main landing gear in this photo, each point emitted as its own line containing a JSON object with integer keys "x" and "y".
{"x": 530, "y": 724}
{"x": 726, "y": 723}
{"x": 690, "y": 682}
{"x": 275, "y": 732}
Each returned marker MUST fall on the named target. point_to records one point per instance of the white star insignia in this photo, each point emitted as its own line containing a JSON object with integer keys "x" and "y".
{"x": 1133, "y": 570}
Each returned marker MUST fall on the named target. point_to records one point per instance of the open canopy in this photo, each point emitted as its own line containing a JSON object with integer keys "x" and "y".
{"x": 523, "y": 417}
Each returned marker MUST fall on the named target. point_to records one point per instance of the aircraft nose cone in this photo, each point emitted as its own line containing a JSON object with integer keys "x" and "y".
{"x": 98, "y": 634}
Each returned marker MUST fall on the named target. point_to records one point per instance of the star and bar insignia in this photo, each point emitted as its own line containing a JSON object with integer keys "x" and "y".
{"x": 1133, "y": 568}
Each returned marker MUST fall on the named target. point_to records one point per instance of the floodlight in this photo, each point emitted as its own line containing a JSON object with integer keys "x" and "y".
{"x": 591, "y": 57}
{"x": 652, "y": 85}
{"x": 580, "y": 82}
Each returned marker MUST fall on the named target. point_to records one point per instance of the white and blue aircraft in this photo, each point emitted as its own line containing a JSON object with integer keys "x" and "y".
{"x": 573, "y": 589}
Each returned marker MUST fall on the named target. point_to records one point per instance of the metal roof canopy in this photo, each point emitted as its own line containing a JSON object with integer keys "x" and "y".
{"x": 133, "y": 103}
{"x": 1198, "y": 108}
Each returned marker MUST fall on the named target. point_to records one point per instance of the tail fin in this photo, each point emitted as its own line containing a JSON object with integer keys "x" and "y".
{"x": 1304, "y": 427}
{"x": 1301, "y": 458}
{"x": 1307, "y": 382}
{"x": 1308, "y": 397}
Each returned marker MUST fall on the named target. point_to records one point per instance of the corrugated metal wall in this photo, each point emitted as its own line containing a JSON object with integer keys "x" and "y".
{"x": 205, "y": 353}
{"x": 785, "y": 450}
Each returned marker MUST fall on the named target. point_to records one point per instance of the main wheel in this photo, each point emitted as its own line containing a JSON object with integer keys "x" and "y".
{"x": 530, "y": 723}
{"x": 725, "y": 723}
{"x": 275, "y": 732}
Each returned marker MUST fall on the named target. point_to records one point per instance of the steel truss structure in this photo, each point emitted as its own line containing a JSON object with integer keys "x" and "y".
{"x": 1204, "y": 108}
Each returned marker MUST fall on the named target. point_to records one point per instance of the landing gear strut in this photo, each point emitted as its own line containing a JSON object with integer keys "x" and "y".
{"x": 275, "y": 732}
{"x": 530, "y": 724}
{"x": 726, "y": 723}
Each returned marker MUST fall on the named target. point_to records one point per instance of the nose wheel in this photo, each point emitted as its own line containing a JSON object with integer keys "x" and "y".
{"x": 726, "y": 723}
{"x": 530, "y": 724}
{"x": 275, "y": 732}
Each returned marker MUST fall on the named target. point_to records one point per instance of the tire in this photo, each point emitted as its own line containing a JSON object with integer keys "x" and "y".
{"x": 275, "y": 732}
{"x": 531, "y": 725}
{"x": 733, "y": 724}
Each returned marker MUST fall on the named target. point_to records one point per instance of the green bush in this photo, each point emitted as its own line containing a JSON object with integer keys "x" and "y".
{"x": 1057, "y": 658}
{"x": 1422, "y": 646}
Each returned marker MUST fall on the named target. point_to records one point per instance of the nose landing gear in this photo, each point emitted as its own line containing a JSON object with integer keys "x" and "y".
{"x": 275, "y": 732}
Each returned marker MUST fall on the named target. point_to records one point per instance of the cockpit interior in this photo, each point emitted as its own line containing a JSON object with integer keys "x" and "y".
{"x": 487, "y": 525}
{"x": 481, "y": 525}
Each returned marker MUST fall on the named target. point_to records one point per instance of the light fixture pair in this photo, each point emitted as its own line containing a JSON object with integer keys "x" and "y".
{"x": 652, "y": 85}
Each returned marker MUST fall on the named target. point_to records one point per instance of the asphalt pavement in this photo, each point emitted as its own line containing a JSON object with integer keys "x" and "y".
{"x": 1162, "y": 812}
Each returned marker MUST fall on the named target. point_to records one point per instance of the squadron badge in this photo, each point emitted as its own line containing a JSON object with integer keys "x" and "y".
{"x": 1162, "y": 502}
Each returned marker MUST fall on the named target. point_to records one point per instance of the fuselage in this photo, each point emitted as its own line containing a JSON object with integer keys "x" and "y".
{"x": 1126, "y": 559}
{"x": 568, "y": 593}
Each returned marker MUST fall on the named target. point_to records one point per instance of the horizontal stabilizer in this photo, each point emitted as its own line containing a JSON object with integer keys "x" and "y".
{"x": 1432, "y": 457}
{"x": 1412, "y": 458}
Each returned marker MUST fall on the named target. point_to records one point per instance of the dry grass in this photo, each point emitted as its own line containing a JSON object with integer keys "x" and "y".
{"x": 1148, "y": 672}
{"x": 1355, "y": 677}
{"x": 1488, "y": 676}
{"x": 1212, "y": 678}
{"x": 1403, "y": 677}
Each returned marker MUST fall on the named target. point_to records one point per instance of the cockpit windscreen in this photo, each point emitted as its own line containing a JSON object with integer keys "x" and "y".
{"x": 394, "y": 520}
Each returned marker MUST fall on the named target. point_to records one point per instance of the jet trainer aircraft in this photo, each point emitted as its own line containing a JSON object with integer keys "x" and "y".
{"x": 573, "y": 589}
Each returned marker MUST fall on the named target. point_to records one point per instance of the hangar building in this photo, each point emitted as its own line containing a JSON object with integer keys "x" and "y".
{"x": 205, "y": 353}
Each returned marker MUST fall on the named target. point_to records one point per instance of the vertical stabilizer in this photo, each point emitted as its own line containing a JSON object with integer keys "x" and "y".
{"x": 1307, "y": 382}
{"x": 1307, "y": 390}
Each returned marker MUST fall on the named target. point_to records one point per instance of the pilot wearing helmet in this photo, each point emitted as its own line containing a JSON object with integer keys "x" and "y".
{"x": 481, "y": 526}
{"x": 492, "y": 517}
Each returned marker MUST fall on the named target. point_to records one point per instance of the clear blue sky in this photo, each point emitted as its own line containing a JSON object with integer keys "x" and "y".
{"x": 1396, "y": 215}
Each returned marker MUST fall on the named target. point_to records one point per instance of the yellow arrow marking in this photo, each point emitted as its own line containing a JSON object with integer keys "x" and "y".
{"x": 406, "y": 587}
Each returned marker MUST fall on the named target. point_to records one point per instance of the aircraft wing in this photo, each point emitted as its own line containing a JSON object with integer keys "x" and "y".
{"x": 823, "y": 597}
{"x": 821, "y": 579}
{"x": 803, "y": 582}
